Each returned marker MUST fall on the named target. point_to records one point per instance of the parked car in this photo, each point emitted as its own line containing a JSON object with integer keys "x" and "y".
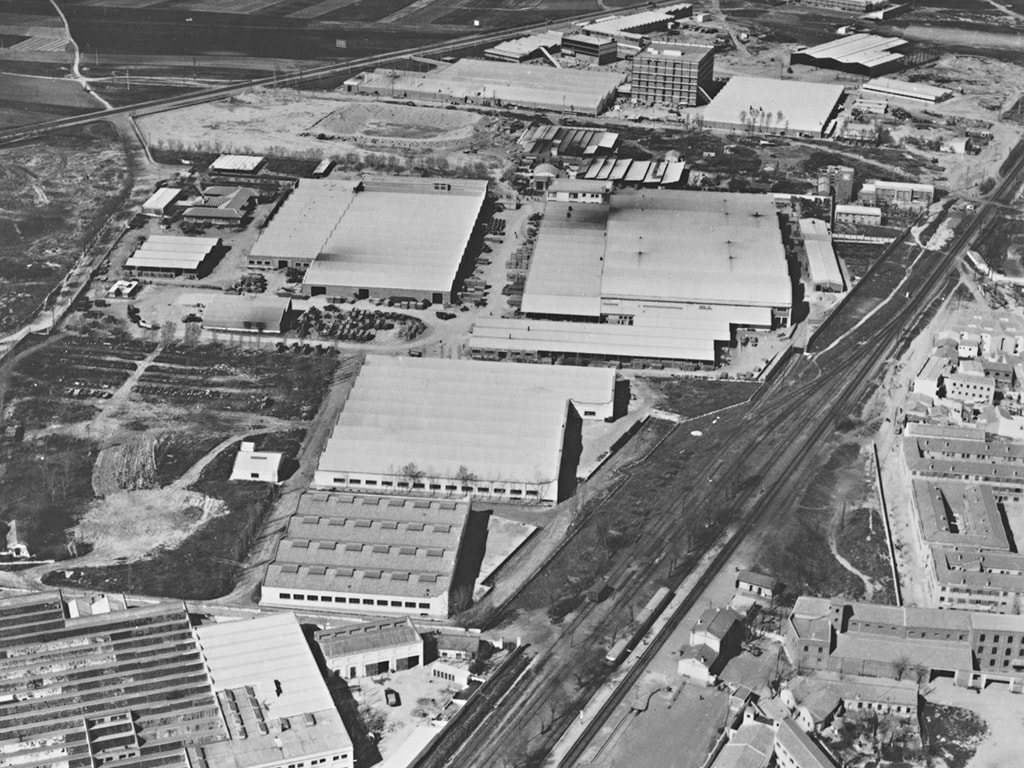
{"x": 442, "y": 315}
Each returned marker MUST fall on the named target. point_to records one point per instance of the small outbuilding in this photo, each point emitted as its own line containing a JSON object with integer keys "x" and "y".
{"x": 758, "y": 584}
{"x": 160, "y": 201}
{"x": 371, "y": 648}
{"x": 260, "y": 466}
{"x": 247, "y": 314}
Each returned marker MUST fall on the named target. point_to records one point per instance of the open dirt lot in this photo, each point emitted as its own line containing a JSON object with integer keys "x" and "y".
{"x": 55, "y": 194}
{"x": 131, "y": 524}
{"x": 312, "y": 125}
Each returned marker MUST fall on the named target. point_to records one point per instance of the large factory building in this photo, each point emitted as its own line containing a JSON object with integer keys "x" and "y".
{"x": 453, "y": 428}
{"x": 378, "y": 237}
{"x": 660, "y": 260}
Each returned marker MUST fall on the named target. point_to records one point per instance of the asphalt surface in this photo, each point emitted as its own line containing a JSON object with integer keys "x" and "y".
{"x": 784, "y": 432}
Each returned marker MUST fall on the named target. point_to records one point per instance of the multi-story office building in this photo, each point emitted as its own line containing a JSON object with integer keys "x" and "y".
{"x": 673, "y": 73}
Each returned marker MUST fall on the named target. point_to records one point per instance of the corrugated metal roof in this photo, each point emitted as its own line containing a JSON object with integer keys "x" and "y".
{"x": 305, "y": 220}
{"x": 162, "y": 198}
{"x": 859, "y": 49}
{"x": 903, "y": 88}
{"x": 601, "y": 339}
{"x": 242, "y": 163}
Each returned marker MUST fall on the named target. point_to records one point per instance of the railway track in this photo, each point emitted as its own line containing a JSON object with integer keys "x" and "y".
{"x": 309, "y": 76}
{"x": 786, "y": 425}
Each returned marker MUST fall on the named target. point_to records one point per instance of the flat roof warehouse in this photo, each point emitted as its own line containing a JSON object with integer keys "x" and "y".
{"x": 732, "y": 253}
{"x": 379, "y": 236}
{"x": 767, "y": 105}
{"x": 427, "y": 413}
{"x": 479, "y": 81}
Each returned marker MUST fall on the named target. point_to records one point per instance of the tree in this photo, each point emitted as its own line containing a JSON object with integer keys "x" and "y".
{"x": 412, "y": 473}
{"x": 464, "y": 476}
{"x": 901, "y": 666}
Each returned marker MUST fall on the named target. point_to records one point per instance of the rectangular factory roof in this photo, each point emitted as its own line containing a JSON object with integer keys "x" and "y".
{"x": 248, "y": 313}
{"x": 803, "y": 106}
{"x": 162, "y": 198}
{"x": 822, "y": 264}
{"x": 429, "y": 412}
{"x": 565, "y": 271}
{"x": 521, "y": 48}
{"x": 906, "y": 90}
{"x": 403, "y": 234}
{"x": 528, "y": 85}
{"x": 599, "y": 339}
{"x": 305, "y": 220}
{"x": 170, "y": 252}
{"x": 371, "y": 635}
{"x": 266, "y": 675}
{"x": 237, "y": 163}
{"x": 370, "y": 544}
{"x": 860, "y": 49}
{"x": 699, "y": 247}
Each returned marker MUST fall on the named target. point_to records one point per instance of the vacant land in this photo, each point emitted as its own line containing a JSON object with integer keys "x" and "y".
{"x": 131, "y": 449}
{"x": 227, "y": 378}
{"x": 205, "y": 563}
{"x": 55, "y": 195}
{"x": 695, "y": 397}
{"x": 45, "y": 484}
{"x": 798, "y": 550}
{"x": 300, "y": 124}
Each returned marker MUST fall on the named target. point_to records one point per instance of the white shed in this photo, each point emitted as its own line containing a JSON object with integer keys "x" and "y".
{"x": 260, "y": 466}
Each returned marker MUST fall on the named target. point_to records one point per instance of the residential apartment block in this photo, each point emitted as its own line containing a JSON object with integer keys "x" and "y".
{"x": 974, "y": 648}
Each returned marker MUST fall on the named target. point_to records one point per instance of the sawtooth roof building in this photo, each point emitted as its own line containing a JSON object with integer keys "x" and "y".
{"x": 414, "y": 424}
{"x": 661, "y": 261}
{"x": 87, "y": 682}
{"x": 497, "y": 83}
{"x": 378, "y": 237}
{"x": 767, "y": 105}
{"x": 374, "y": 554}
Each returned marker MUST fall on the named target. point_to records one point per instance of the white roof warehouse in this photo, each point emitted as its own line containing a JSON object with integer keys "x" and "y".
{"x": 380, "y": 237}
{"x": 654, "y": 258}
{"x": 456, "y": 427}
{"x": 766, "y": 105}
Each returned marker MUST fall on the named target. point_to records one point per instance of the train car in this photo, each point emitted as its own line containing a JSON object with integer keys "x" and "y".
{"x": 618, "y": 652}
